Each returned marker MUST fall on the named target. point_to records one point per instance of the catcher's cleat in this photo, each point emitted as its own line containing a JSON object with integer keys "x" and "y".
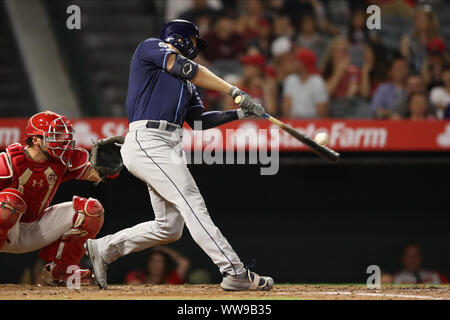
{"x": 99, "y": 267}
{"x": 84, "y": 275}
{"x": 248, "y": 281}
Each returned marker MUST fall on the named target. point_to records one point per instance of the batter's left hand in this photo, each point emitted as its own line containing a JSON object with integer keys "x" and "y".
{"x": 246, "y": 103}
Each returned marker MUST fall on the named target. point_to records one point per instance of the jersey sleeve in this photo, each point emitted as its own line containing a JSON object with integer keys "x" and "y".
{"x": 80, "y": 163}
{"x": 196, "y": 101}
{"x": 154, "y": 52}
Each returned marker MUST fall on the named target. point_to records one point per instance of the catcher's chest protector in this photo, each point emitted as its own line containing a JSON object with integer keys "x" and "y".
{"x": 37, "y": 182}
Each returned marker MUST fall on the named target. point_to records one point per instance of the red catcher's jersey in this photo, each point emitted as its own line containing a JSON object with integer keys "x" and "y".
{"x": 38, "y": 181}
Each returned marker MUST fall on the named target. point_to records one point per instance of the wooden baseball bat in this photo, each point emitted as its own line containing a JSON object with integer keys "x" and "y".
{"x": 321, "y": 150}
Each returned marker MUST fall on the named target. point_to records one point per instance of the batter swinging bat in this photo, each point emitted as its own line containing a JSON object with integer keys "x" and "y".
{"x": 321, "y": 150}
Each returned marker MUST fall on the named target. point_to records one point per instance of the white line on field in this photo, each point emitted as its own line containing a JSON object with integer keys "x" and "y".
{"x": 334, "y": 293}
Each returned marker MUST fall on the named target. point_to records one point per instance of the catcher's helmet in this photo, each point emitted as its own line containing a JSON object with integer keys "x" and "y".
{"x": 57, "y": 133}
{"x": 178, "y": 33}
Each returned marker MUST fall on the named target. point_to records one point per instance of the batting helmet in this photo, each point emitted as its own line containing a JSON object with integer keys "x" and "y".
{"x": 179, "y": 33}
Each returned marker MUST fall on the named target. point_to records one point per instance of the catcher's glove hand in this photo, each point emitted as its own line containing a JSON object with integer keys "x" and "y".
{"x": 105, "y": 156}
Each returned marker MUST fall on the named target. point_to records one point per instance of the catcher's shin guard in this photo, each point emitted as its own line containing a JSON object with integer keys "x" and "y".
{"x": 12, "y": 206}
{"x": 68, "y": 250}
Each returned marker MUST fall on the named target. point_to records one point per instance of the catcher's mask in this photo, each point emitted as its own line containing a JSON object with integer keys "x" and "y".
{"x": 57, "y": 133}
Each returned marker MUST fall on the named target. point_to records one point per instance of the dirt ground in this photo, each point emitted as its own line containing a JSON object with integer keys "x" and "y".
{"x": 202, "y": 292}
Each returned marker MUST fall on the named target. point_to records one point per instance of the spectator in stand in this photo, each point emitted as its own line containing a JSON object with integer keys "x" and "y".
{"x": 414, "y": 84}
{"x": 388, "y": 95}
{"x": 174, "y": 8}
{"x": 284, "y": 63}
{"x": 310, "y": 38}
{"x": 358, "y": 37}
{"x": 440, "y": 96}
{"x": 263, "y": 41}
{"x": 297, "y": 10}
{"x": 248, "y": 23}
{"x": 257, "y": 83}
{"x": 304, "y": 92}
{"x": 437, "y": 58}
{"x": 225, "y": 46}
{"x": 412, "y": 271}
{"x": 361, "y": 40}
{"x": 413, "y": 45}
{"x": 348, "y": 86}
{"x": 282, "y": 25}
{"x": 419, "y": 107}
{"x": 201, "y": 13}
{"x": 159, "y": 269}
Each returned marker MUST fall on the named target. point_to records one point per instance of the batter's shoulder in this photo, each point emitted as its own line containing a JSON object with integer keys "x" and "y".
{"x": 153, "y": 43}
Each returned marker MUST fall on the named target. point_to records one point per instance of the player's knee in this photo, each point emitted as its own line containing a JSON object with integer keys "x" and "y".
{"x": 171, "y": 232}
{"x": 89, "y": 216}
{"x": 12, "y": 206}
{"x": 176, "y": 234}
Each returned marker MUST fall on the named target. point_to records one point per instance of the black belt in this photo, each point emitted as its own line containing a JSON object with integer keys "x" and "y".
{"x": 155, "y": 125}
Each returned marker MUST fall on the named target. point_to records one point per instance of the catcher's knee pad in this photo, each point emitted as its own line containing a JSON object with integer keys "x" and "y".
{"x": 69, "y": 249}
{"x": 89, "y": 217}
{"x": 12, "y": 206}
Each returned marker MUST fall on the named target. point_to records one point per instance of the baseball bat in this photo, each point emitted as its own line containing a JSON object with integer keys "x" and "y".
{"x": 319, "y": 149}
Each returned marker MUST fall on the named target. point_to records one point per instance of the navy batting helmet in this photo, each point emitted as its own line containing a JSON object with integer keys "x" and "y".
{"x": 179, "y": 33}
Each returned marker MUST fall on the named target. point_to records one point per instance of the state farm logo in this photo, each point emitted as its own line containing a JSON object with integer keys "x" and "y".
{"x": 342, "y": 136}
{"x": 9, "y": 135}
{"x": 443, "y": 139}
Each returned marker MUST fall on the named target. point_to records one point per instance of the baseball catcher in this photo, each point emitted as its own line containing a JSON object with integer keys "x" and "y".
{"x": 30, "y": 175}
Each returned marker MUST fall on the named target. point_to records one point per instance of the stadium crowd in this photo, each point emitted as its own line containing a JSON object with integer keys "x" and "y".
{"x": 291, "y": 57}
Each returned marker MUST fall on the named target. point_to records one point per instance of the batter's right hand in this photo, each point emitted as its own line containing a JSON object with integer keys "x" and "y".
{"x": 246, "y": 103}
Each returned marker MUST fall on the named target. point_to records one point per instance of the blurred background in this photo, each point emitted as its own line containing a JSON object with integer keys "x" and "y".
{"x": 305, "y": 61}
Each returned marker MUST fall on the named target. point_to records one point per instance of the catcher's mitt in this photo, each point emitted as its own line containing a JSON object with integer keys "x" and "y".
{"x": 105, "y": 156}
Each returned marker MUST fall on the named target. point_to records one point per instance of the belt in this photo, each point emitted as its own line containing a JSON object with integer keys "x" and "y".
{"x": 162, "y": 125}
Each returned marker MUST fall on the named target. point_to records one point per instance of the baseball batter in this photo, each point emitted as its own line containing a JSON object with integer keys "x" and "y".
{"x": 29, "y": 178}
{"x": 162, "y": 95}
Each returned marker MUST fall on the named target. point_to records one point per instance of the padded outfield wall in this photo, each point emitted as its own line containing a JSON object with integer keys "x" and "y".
{"x": 310, "y": 223}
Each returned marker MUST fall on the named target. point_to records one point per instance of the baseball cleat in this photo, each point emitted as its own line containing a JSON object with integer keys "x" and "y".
{"x": 99, "y": 267}
{"x": 249, "y": 281}
{"x": 84, "y": 276}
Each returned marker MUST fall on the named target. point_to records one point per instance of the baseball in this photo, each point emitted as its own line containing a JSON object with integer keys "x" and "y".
{"x": 321, "y": 138}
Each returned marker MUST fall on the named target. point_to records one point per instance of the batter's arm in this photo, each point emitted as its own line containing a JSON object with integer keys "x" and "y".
{"x": 204, "y": 77}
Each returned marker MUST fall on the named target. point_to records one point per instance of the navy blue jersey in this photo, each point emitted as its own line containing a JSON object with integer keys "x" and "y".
{"x": 155, "y": 94}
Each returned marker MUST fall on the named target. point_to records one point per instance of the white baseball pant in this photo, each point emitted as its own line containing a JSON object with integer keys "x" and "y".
{"x": 156, "y": 157}
{"x": 30, "y": 236}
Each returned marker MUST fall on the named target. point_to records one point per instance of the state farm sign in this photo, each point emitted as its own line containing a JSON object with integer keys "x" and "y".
{"x": 345, "y": 135}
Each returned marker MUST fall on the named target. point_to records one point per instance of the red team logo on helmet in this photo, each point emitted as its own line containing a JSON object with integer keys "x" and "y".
{"x": 57, "y": 133}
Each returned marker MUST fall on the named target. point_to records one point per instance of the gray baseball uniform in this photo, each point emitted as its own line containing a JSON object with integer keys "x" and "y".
{"x": 158, "y": 103}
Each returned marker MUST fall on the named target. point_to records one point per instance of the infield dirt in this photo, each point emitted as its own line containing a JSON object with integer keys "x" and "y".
{"x": 214, "y": 292}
